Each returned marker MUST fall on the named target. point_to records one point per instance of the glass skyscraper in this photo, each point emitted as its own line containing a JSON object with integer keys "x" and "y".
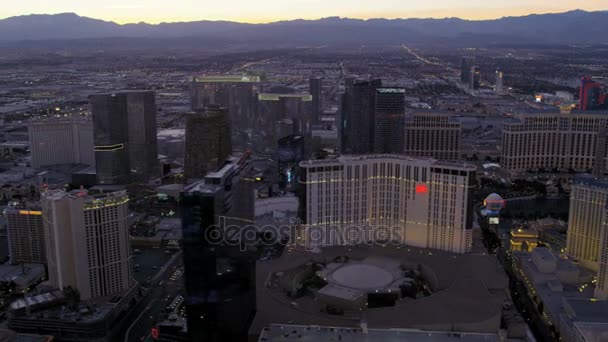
{"x": 124, "y": 126}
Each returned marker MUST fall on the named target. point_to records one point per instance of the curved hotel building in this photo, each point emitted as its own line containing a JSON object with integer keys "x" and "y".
{"x": 551, "y": 139}
{"x": 358, "y": 199}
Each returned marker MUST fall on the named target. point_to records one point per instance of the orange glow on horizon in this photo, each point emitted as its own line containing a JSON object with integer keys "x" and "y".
{"x": 266, "y": 11}
{"x": 476, "y": 14}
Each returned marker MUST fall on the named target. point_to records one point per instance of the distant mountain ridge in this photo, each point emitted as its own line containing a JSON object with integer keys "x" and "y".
{"x": 569, "y": 27}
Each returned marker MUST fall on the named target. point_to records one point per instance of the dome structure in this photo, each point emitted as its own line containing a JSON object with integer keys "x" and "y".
{"x": 494, "y": 202}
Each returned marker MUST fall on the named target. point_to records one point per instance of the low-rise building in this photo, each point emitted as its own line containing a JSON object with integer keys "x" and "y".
{"x": 584, "y": 320}
{"x": 450, "y": 281}
{"x": 59, "y": 314}
{"x": 550, "y": 279}
{"x": 23, "y": 276}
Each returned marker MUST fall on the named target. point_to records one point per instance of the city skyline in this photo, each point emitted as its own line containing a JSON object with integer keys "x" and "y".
{"x": 304, "y": 179}
{"x": 155, "y": 11}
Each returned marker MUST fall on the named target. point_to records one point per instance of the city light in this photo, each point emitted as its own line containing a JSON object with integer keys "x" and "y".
{"x": 422, "y": 189}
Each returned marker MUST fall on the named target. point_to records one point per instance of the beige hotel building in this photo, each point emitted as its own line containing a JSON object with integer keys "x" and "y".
{"x": 553, "y": 139}
{"x": 417, "y": 202}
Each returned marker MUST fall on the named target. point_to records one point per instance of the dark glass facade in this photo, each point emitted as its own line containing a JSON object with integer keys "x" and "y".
{"x": 466, "y": 62}
{"x": 284, "y": 114}
{"x": 389, "y": 117}
{"x": 357, "y": 117}
{"x": 110, "y": 124}
{"x": 143, "y": 150}
{"x": 475, "y": 78}
{"x": 208, "y": 141}
{"x": 316, "y": 90}
{"x": 219, "y": 271}
{"x": 233, "y": 93}
{"x": 125, "y": 137}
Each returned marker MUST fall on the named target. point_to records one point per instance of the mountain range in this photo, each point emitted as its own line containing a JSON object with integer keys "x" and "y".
{"x": 569, "y": 27}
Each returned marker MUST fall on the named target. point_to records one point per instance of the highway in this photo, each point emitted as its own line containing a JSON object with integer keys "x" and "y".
{"x": 428, "y": 61}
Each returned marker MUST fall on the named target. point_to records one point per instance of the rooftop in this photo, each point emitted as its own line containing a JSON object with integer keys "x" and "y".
{"x": 553, "y": 112}
{"x": 40, "y": 299}
{"x": 354, "y": 158}
{"x": 277, "y": 97}
{"x": 279, "y": 332}
{"x": 466, "y": 290}
{"x": 590, "y": 180}
{"x": 226, "y": 79}
{"x": 9, "y": 335}
{"x": 593, "y": 331}
{"x": 23, "y": 276}
{"x": 587, "y": 310}
{"x": 91, "y": 200}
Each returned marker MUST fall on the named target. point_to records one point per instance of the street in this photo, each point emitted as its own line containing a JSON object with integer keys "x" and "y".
{"x": 163, "y": 288}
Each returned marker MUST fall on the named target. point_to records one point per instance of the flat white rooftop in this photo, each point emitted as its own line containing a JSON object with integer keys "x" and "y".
{"x": 362, "y": 276}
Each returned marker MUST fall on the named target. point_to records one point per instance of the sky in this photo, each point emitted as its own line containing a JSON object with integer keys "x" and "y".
{"x": 259, "y": 11}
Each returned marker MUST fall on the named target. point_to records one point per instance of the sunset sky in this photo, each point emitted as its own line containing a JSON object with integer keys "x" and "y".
{"x": 256, "y": 11}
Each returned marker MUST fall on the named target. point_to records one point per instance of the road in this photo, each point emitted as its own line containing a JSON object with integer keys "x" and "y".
{"x": 430, "y": 62}
{"x": 163, "y": 288}
{"x": 249, "y": 64}
{"x": 519, "y": 292}
{"x": 420, "y": 58}
{"x": 426, "y": 60}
